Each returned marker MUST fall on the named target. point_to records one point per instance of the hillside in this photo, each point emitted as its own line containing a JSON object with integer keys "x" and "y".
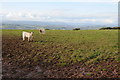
{"x": 61, "y": 54}
{"x": 49, "y": 25}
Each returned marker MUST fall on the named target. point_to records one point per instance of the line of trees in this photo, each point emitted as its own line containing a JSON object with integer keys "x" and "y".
{"x": 104, "y": 28}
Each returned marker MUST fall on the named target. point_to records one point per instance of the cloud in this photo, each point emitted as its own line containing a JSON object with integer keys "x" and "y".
{"x": 108, "y": 21}
{"x": 60, "y": 16}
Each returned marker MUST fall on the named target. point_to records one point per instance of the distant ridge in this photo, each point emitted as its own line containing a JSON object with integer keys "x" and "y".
{"x": 49, "y": 25}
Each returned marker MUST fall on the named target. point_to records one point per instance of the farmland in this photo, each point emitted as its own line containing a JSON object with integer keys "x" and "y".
{"x": 61, "y": 54}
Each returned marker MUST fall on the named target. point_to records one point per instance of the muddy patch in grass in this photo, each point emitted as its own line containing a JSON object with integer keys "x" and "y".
{"x": 23, "y": 59}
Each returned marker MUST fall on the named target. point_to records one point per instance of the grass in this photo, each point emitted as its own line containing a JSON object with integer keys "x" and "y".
{"x": 67, "y": 46}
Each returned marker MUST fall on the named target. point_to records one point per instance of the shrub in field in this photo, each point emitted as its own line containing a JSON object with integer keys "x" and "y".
{"x": 76, "y": 29}
{"x": 47, "y": 29}
{"x": 104, "y": 28}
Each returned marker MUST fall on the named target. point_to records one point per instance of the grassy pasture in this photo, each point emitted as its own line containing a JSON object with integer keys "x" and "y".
{"x": 64, "y": 47}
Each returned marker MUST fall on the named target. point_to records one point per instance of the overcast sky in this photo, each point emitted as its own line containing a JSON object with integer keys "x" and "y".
{"x": 102, "y": 11}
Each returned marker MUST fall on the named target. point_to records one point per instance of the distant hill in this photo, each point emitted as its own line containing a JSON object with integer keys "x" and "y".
{"x": 47, "y": 25}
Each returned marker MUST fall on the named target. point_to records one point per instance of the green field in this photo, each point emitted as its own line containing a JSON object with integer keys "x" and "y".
{"x": 61, "y": 54}
{"x": 64, "y": 47}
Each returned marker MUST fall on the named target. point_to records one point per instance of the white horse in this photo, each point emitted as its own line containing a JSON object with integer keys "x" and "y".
{"x": 28, "y": 35}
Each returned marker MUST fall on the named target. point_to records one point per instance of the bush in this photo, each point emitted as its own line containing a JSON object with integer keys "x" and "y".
{"x": 76, "y": 29}
{"x": 47, "y": 29}
{"x": 104, "y": 28}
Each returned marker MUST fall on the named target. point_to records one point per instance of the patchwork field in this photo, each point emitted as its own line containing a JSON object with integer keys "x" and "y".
{"x": 61, "y": 54}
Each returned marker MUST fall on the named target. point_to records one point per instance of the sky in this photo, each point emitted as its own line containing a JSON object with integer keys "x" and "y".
{"x": 92, "y": 11}
{"x": 59, "y": 0}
